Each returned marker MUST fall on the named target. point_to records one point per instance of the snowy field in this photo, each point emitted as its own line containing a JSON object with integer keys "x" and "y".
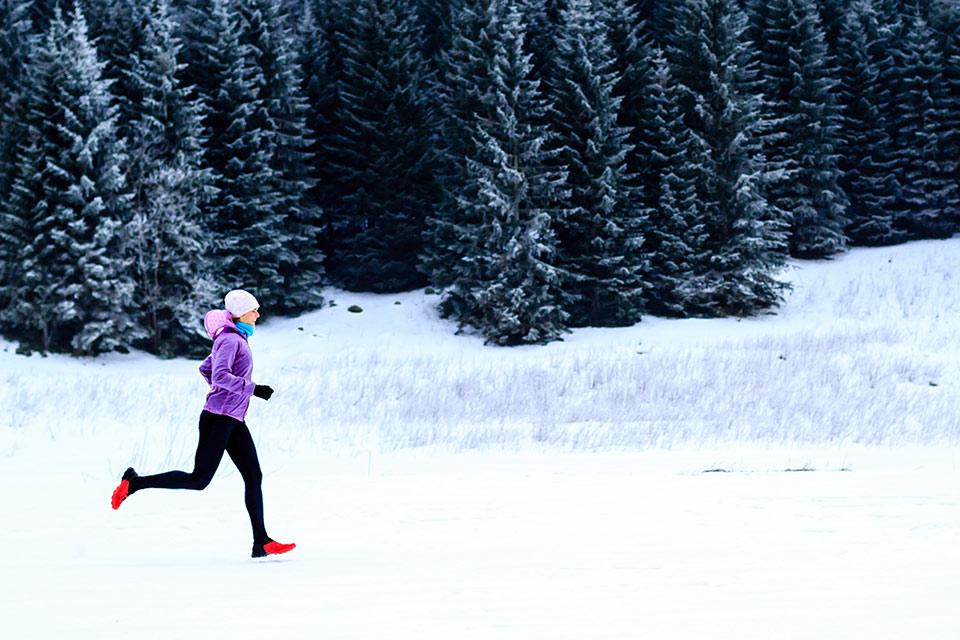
{"x": 790, "y": 476}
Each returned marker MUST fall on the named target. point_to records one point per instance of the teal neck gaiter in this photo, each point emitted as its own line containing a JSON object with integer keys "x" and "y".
{"x": 245, "y": 329}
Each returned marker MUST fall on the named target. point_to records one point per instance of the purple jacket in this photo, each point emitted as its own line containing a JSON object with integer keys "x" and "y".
{"x": 228, "y": 369}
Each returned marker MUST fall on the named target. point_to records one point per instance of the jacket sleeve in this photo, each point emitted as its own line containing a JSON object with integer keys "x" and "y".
{"x": 206, "y": 369}
{"x": 224, "y": 353}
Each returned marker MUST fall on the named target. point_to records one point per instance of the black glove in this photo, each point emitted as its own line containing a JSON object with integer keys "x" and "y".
{"x": 263, "y": 391}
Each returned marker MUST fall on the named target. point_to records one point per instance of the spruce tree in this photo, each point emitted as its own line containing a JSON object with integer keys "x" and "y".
{"x": 746, "y": 240}
{"x": 507, "y": 285}
{"x": 542, "y": 19}
{"x": 16, "y": 40}
{"x": 798, "y": 93}
{"x": 600, "y": 237}
{"x": 926, "y": 204}
{"x": 637, "y": 88}
{"x": 167, "y": 237}
{"x": 71, "y": 289}
{"x": 118, "y": 27}
{"x": 250, "y": 245}
{"x": 831, "y": 17}
{"x": 265, "y": 34}
{"x": 320, "y": 61}
{"x": 946, "y": 21}
{"x": 866, "y": 170}
{"x": 463, "y": 68}
{"x": 384, "y": 184}
{"x": 675, "y": 233}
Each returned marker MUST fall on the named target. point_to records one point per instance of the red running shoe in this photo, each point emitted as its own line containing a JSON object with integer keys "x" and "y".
{"x": 123, "y": 489}
{"x": 271, "y": 549}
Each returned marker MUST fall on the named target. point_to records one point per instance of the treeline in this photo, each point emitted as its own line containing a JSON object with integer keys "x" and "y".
{"x": 544, "y": 164}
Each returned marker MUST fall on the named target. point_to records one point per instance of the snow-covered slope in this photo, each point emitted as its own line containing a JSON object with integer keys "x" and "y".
{"x": 863, "y": 350}
{"x": 439, "y": 489}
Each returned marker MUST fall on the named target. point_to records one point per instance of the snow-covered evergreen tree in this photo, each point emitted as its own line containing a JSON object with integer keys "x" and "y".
{"x": 16, "y": 40}
{"x": 946, "y": 21}
{"x": 831, "y": 17}
{"x": 600, "y": 237}
{"x": 542, "y": 20}
{"x": 798, "y": 92}
{"x": 319, "y": 88}
{"x": 675, "y": 231}
{"x": 927, "y": 198}
{"x": 462, "y": 69}
{"x": 247, "y": 219}
{"x": 746, "y": 239}
{"x": 659, "y": 19}
{"x": 167, "y": 238}
{"x": 71, "y": 289}
{"x": 506, "y": 284}
{"x": 382, "y": 162}
{"x": 265, "y": 32}
{"x": 118, "y": 28}
{"x": 866, "y": 169}
{"x": 637, "y": 88}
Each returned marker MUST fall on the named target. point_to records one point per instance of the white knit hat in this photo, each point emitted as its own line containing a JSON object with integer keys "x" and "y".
{"x": 238, "y": 302}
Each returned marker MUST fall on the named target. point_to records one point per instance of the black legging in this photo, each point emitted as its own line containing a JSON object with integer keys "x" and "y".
{"x": 219, "y": 433}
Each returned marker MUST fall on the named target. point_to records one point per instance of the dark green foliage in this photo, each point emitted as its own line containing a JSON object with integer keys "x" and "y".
{"x": 506, "y": 284}
{"x": 264, "y": 28}
{"x": 383, "y": 183}
{"x": 746, "y": 241}
{"x": 601, "y": 234}
{"x": 922, "y": 113}
{"x": 246, "y": 220}
{"x": 865, "y": 164}
{"x": 70, "y": 288}
{"x": 799, "y": 101}
{"x": 675, "y": 229}
{"x": 463, "y": 69}
{"x": 167, "y": 236}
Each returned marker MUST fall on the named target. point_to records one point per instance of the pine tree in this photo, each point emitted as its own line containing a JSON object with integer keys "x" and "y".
{"x": 831, "y": 17}
{"x": 866, "y": 171}
{"x": 200, "y": 35}
{"x": 117, "y": 27}
{"x": 746, "y": 239}
{"x": 246, "y": 216}
{"x": 463, "y": 68}
{"x": 542, "y": 19}
{"x": 319, "y": 89}
{"x": 434, "y": 20}
{"x": 927, "y": 198}
{"x": 600, "y": 238}
{"x": 675, "y": 232}
{"x": 637, "y": 86}
{"x": 265, "y": 33}
{"x": 946, "y": 20}
{"x": 16, "y": 40}
{"x": 167, "y": 237}
{"x": 659, "y": 18}
{"x": 507, "y": 285}
{"x": 382, "y": 162}
{"x": 797, "y": 89}
{"x": 70, "y": 290}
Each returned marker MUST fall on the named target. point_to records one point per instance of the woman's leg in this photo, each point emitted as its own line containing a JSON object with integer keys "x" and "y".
{"x": 214, "y": 433}
{"x": 243, "y": 452}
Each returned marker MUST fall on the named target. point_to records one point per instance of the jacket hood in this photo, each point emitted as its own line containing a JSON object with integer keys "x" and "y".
{"x": 216, "y": 321}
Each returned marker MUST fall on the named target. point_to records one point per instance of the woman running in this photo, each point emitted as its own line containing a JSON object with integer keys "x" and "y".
{"x": 228, "y": 370}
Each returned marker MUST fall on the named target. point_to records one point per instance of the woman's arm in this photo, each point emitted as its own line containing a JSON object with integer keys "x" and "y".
{"x": 206, "y": 369}
{"x": 224, "y": 353}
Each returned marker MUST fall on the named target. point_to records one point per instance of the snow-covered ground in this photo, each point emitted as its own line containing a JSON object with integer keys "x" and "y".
{"x": 791, "y": 476}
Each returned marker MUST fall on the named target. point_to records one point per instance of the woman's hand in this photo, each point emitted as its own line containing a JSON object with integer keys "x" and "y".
{"x": 263, "y": 391}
